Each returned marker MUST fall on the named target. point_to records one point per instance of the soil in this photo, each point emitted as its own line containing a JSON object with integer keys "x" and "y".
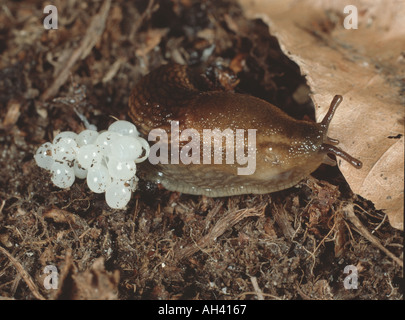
{"x": 293, "y": 244}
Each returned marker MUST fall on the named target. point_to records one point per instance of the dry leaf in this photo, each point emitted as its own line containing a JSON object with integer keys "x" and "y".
{"x": 12, "y": 114}
{"x": 60, "y": 216}
{"x": 366, "y": 66}
{"x": 152, "y": 39}
{"x": 94, "y": 283}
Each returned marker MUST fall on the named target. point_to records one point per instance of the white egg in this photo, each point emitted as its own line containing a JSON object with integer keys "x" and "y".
{"x": 121, "y": 169}
{"x": 105, "y": 140}
{"x": 43, "y": 156}
{"x": 80, "y": 172}
{"x": 62, "y": 175}
{"x": 123, "y": 127}
{"x": 98, "y": 179}
{"x": 89, "y": 156}
{"x": 126, "y": 148}
{"x": 65, "y": 135}
{"x": 86, "y": 137}
{"x": 117, "y": 194}
{"x": 64, "y": 149}
{"x": 107, "y": 160}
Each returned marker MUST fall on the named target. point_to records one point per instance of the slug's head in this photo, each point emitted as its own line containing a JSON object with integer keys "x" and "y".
{"x": 329, "y": 145}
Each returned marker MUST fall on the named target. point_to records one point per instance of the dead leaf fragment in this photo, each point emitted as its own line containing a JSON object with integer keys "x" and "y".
{"x": 12, "y": 115}
{"x": 151, "y": 39}
{"x": 60, "y": 216}
{"x": 94, "y": 283}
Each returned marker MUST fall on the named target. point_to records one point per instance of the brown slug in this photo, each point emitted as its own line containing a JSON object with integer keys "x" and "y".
{"x": 286, "y": 150}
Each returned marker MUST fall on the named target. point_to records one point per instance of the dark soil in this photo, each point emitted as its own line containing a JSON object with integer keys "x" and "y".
{"x": 293, "y": 244}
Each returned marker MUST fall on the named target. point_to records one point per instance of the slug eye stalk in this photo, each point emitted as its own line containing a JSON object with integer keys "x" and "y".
{"x": 327, "y": 148}
{"x": 330, "y": 146}
{"x": 337, "y": 99}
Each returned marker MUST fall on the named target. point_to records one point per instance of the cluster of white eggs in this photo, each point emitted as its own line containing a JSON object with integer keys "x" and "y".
{"x": 107, "y": 160}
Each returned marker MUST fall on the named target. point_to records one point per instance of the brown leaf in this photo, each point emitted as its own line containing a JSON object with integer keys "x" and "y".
{"x": 366, "y": 66}
{"x": 60, "y": 216}
{"x": 13, "y": 113}
{"x": 151, "y": 39}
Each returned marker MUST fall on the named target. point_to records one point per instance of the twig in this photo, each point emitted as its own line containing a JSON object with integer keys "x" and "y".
{"x": 242, "y": 295}
{"x": 93, "y": 34}
{"x": 220, "y": 227}
{"x": 323, "y": 239}
{"x": 24, "y": 274}
{"x": 348, "y": 210}
{"x": 380, "y": 224}
{"x": 2, "y": 206}
{"x": 145, "y": 15}
{"x": 257, "y": 288}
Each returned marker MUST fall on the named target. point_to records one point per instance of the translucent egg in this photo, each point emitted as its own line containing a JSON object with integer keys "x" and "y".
{"x": 123, "y": 127}
{"x": 89, "y": 156}
{"x": 64, "y": 149}
{"x": 126, "y": 148}
{"x": 107, "y": 160}
{"x": 80, "y": 172}
{"x": 98, "y": 179}
{"x": 121, "y": 169}
{"x": 43, "y": 156}
{"x": 117, "y": 194}
{"x": 62, "y": 175}
{"x": 86, "y": 137}
{"x": 105, "y": 140}
{"x": 65, "y": 135}
{"x": 91, "y": 127}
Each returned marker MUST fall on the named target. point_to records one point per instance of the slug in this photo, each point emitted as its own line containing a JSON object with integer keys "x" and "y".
{"x": 286, "y": 150}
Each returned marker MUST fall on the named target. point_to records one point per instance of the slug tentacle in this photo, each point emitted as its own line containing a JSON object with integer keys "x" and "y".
{"x": 337, "y": 99}
{"x": 330, "y": 146}
{"x": 327, "y": 148}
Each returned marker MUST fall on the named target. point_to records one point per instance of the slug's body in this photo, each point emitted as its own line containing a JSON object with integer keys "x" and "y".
{"x": 287, "y": 150}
